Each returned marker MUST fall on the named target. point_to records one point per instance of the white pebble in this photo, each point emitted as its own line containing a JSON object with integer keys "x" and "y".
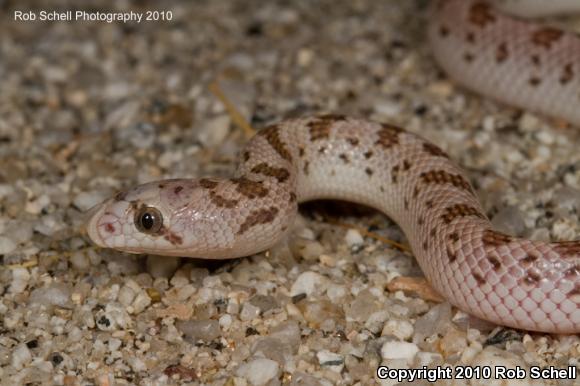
{"x": 57, "y": 294}
{"x": 80, "y": 261}
{"x": 312, "y": 250}
{"x": 336, "y": 292}
{"x": 387, "y": 108}
{"x": 141, "y": 302}
{"x": 215, "y": 130}
{"x": 309, "y": 283}
{"x": 258, "y": 371}
{"x": 126, "y": 295}
{"x": 86, "y": 200}
{"x": 20, "y": 278}
{"x": 331, "y": 360}
{"x": 161, "y": 266}
{"x": 36, "y": 206}
{"x": 353, "y": 238}
{"x": 401, "y": 329}
{"x": 545, "y": 137}
{"x": 21, "y": 355}
{"x": 226, "y": 321}
{"x": 399, "y": 350}
{"x": 423, "y": 358}
{"x": 137, "y": 364}
{"x": 249, "y": 312}
{"x": 6, "y": 245}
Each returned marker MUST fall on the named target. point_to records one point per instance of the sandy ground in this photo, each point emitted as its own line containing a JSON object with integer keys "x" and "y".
{"x": 90, "y": 107}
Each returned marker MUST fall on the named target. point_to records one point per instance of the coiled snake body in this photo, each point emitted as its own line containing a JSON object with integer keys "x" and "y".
{"x": 510, "y": 281}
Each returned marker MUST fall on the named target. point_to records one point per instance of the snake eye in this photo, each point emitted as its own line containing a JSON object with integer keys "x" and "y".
{"x": 148, "y": 220}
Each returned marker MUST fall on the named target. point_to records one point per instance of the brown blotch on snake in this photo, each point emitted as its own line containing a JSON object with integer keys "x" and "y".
{"x": 344, "y": 158}
{"x": 120, "y": 196}
{"x": 320, "y": 126}
{"x": 568, "y": 249}
{"x": 452, "y": 256}
{"x": 546, "y": 36}
{"x": 495, "y": 263}
{"x": 208, "y": 184}
{"x": 171, "y": 237}
{"x": 529, "y": 259}
{"x": 501, "y": 53}
{"x": 531, "y": 278}
{"x": 567, "y": 74}
{"x": 280, "y": 174}
{"x": 470, "y": 37}
{"x": 459, "y": 210}
{"x": 388, "y": 136}
{"x": 434, "y": 150}
{"x": 494, "y": 239}
{"x": 258, "y": 216}
{"x": 443, "y": 177}
{"x": 478, "y": 278}
{"x": 221, "y": 201}
{"x": 534, "y": 81}
{"x": 272, "y": 135}
{"x": 481, "y": 14}
{"x": 250, "y": 189}
{"x": 572, "y": 273}
{"x": 395, "y": 174}
{"x": 353, "y": 141}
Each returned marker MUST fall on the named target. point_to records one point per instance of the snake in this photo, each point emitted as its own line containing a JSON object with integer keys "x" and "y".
{"x": 507, "y": 280}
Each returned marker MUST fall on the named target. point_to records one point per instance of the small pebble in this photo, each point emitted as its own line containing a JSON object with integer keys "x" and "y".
{"x": 309, "y": 283}
{"x": 141, "y": 302}
{"x": 353, "y": 238}
{"x": 6, "y": 245}
{"x": 206, "y": 330}
{"x": 20, "y": 279}
{"x": 86, "y": 200}
{"x": 21, "y": 356}
{"x": 161, "y": 266}
{"x": 399, "y": 350}
{"x": 259, "y": 371}
{"x": 57, "y": 294}
{"x": 331, "y": 360}
{"x": 401, "y": 329}
{"x": 249, "y": 312}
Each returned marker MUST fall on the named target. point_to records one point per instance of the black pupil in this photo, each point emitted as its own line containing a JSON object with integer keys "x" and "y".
{"x": 147, "y": 220}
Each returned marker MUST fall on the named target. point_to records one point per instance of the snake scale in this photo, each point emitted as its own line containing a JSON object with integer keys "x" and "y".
{"x": 510, "y": 281}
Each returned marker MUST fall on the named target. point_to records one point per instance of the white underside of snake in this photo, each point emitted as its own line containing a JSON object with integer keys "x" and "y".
{"x": 510, "y": 281}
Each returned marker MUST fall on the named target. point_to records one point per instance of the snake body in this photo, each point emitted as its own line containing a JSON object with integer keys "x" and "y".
{"x": 515, "y": 61}
{"x": 510, "y": 281}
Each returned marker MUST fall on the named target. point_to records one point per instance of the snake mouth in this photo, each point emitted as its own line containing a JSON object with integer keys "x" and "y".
{"x": 91, "y": 226}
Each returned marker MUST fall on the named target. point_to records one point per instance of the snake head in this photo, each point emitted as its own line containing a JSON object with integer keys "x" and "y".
{"x": 165, "y": 218}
